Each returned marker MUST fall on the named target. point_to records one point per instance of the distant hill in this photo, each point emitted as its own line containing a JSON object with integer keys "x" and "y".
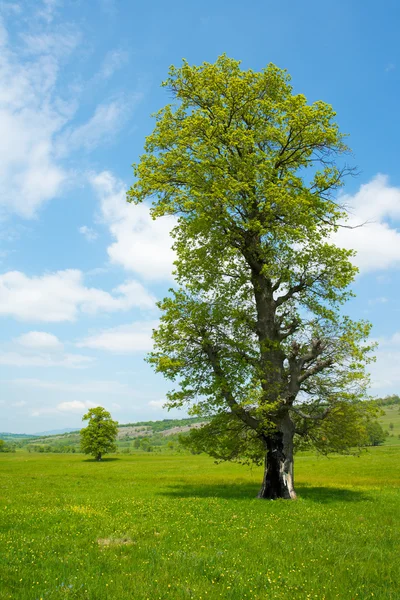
{"x": 54, "y": 432}
{"x": 4, "y": 434}
{"x": 128, "y": 430}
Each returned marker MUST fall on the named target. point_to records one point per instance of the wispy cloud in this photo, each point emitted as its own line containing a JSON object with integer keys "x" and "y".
{"x": 10, "y": 8}
{"x": 71, "y": 406}
{"x": 385, "y": 371}
{"x": 39, "y": 340}
{"x": 40, "y": 121}
{"x": 19, "y": 403}
{"x": 60, "y": 44}
{"x": 113, "y": 61}
{"x": 124, "y": 339}
{"x": 31, "y": 114}
{"x": 156, "y": 403}
{"x": 89, "y": 233}
{"x": 379, "y": 300}
{"x": 108, "y": 119}
{"x": 104, "y": 387}
{"x": 46, "y": 9}
{"x": 70, "y": 361}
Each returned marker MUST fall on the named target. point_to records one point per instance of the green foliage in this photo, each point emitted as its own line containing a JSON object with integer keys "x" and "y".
{"x": 57, "y": 449}
{"x": 226, "y": 438}
{"x": 345, "y": 429}
{"x": 6, "y": 447}
{"x": 388, "y": 400}
{"x": 254, "y": 328}
{"x": 375, "y": 434}
{"x": 15, "y": 436}
{"x": 98, "y": 438}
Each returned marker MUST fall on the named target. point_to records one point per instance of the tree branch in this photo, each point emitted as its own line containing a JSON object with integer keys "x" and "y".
{"x": 304, "y": 415}
{"x": 238, "y": 410}
{"x": 317, "y": 368}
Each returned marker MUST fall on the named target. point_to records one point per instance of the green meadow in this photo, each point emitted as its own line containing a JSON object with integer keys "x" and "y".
{"x": 179, "y": 526}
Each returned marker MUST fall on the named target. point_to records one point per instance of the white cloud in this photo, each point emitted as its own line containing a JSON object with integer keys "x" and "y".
{"x": 385, "y": 373}
{"x": 18, "y": 359}
{"x": 41, "y": 349}
{"x": 19, "y": 404}
{"x": 141, "y": 245}
{"x": 75, "y": 406}
{"x": 72, "y": 406}
{"x": 83, "y": 387}
{"x": 135, "y": 337}
{"x": 89, "y": 233}
{"x": 39, "y": 340}
{"x": 156, "y": 403}
{"x": 60, "y": 296}
{"x": 378, "y": 242}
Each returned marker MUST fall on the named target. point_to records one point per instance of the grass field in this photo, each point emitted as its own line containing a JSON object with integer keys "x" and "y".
{"x": 179, "y": 527}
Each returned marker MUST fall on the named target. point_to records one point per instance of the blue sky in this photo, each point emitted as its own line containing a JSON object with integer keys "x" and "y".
{"x": 79, "y": 268}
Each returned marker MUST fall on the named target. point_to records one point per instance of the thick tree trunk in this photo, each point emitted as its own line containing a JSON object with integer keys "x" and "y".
{"x": 98, "y": 456}
{"x": 278, "y": 481}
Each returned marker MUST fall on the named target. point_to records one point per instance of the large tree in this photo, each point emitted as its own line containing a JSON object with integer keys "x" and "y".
{"x": 253, "y": 332}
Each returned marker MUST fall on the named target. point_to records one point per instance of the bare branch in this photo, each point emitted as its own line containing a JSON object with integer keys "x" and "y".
{"x": 304, "y": 415}
{"x": 299, "y": 287}
{"x": 317, "y": 368}
{"x": 290, "y": 329}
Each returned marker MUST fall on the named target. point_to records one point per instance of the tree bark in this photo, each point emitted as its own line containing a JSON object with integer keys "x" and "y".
{"x": 98, "y": 456}
{"x": 278, "y": 481}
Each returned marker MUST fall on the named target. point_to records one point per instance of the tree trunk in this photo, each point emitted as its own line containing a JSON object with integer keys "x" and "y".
{"x": 98, "y": 456}
{"x": 278, "y": 479}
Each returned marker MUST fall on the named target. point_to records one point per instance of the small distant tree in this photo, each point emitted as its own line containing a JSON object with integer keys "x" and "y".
{"x": 98, "y": 438}
{"x": 375, "y": 433}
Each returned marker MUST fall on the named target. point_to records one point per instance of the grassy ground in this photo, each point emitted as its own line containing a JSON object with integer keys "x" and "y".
{"x": 156, "y": 527}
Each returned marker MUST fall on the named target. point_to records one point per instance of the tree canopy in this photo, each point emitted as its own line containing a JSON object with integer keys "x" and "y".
{"x": 253, "y": 332}
{"x": 98, "y": 438}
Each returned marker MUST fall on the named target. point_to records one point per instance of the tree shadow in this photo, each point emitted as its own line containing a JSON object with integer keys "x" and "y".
{"x": 247, "y": 491}
{"x": 103, "y": 460}
{"x": 328, "y": 495}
